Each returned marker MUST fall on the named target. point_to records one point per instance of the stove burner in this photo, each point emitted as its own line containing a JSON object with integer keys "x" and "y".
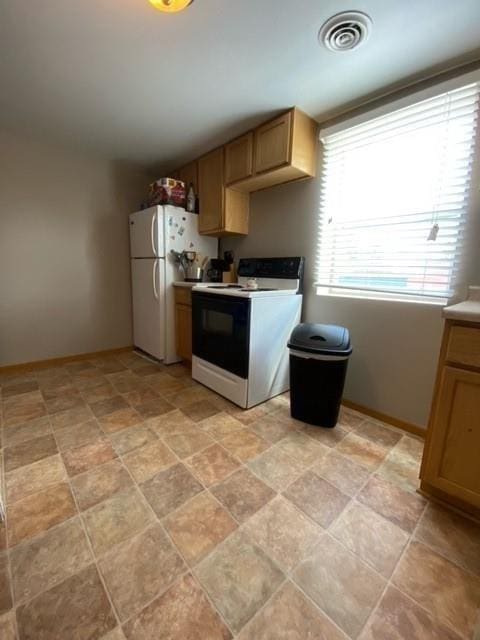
{"x": 258, "y": 289}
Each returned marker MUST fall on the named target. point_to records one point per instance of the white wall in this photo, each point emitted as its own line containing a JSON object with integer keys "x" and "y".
{"x": 64, "y": 255}
{"x": 395, "y": 344}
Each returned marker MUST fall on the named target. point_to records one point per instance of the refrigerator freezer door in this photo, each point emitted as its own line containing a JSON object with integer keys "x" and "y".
{"x": 181, "y": 233}
{"x": 146, "y": 233}
{"x": 148, "y": 290}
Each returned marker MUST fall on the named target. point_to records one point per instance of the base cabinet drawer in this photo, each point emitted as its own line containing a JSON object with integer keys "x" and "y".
{"x": 464, "y": 346}
{"x": 183, "y": 295}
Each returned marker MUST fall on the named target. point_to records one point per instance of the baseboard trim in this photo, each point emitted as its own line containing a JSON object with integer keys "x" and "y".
{"x": 383, "y": 417}
{"x": 449, "y": 501}
{"x": 53, "y": 362}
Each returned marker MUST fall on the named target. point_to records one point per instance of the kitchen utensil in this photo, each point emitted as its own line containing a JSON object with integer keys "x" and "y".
{"x": 193, "y": 274}
{"x": 190, "y": 256}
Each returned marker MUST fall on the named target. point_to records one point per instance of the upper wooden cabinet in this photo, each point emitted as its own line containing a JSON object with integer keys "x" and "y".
{"x": 189, "y": 174}
{"x": 222, "y": 211}
{"x": 272, "y": 143}
{"x": 281, "y": 150}
{"x": 239, "y": 158}
{"x": 211, "y": 191}
{"x": 284, "y": 149}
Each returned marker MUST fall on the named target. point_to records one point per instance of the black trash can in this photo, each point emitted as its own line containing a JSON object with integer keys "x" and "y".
{"x": 318, "y": 365}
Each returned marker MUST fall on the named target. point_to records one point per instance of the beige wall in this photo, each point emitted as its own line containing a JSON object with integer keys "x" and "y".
{"x": 395, "y": 344}
{"x": 64, "y": 257}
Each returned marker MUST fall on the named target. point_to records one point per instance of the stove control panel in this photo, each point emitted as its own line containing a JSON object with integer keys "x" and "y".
{"x": 283, "y": 268}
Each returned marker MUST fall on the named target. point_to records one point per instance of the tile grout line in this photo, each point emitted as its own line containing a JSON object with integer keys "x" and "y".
{"x": 174, "y": 546}
{"x": 191, "y": 568}
{"x": 327, "y": 530}
{"x": 392, "y": 584}
{"x": 351, "y": 498}
{"x": 186, "y": 459}
{"x": 407, "y": 544}
{"x": 441, "y": 553}
{"x": 3, "y": 493}
{"x": 7, "y": 540}
{"x": 286, "y": 573}
{"x": 79, "y": 515}
{"x": 90, "y": 545}
{"x": 177, "y": 550}
{"x": 288, "y": 576}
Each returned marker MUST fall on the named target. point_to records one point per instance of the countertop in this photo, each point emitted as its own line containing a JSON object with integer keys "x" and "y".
{"x": 182, "y": 283}
{"x": 468, "y": 310}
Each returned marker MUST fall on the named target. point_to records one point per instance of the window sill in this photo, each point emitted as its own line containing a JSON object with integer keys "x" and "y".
{"x": 380, "y": 297}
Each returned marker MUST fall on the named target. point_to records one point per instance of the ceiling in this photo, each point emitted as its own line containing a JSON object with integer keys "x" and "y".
{"x": 127, "y": 81}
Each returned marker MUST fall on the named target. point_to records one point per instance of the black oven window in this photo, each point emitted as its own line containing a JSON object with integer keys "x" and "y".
{"x": 221, "y": 331}
{"x": 217, "y": 322}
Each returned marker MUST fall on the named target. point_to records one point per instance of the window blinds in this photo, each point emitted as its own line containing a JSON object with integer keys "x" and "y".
{"x": 395, "y": 196}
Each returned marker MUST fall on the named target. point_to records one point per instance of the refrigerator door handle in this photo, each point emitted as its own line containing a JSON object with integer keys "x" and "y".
{"x": 152, "y": 233}
{"x": 154, "y": 278}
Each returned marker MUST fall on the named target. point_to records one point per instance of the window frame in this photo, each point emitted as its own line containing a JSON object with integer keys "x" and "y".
{"x": 473, "y": 206}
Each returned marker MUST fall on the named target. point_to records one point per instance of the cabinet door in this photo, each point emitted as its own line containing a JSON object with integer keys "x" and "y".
{"x": 453, "y": 458}
{"x": 273, "y": 143}
{"x": 211, "y": 191}
{"x": 239, "y": 158}
{"x": 183, "y": 331}
{"x": 188, "y": 174}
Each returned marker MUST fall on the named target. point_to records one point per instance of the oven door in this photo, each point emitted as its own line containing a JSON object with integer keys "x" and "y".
{"x": 221, "y": 331}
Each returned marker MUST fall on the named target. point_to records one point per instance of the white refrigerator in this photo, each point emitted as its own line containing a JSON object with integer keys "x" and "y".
{"x": 154, "y": 232}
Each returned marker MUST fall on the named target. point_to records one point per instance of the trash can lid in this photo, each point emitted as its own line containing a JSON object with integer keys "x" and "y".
{"x": 321, "y": 338}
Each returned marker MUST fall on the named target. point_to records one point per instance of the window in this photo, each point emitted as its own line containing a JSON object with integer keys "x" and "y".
{"x": 395, "y": 199}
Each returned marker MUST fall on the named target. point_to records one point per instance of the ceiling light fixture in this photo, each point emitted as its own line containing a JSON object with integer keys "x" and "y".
{"x": 171, "y": 6}
{"x": 345, "y": 31}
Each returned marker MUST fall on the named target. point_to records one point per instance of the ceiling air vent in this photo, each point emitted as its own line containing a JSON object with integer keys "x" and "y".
{"x": 345, "y": 31}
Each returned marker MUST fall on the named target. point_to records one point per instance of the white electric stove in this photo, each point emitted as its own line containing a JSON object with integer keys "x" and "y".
{"x": 240, "y": 333}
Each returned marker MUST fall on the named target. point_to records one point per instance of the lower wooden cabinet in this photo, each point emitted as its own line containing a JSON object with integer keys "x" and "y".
{"x": 183, "y": 322}
{"x": 451, "y": 462}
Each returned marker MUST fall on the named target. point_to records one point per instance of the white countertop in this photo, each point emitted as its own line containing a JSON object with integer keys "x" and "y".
{"x": 182, "y": 283}
{"x": 468, "y": 310}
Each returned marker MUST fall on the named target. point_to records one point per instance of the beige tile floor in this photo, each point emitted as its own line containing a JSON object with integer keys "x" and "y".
{"x": 142, "y": 506}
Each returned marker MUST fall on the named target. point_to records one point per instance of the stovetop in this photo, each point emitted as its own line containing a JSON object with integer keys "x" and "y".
{"x": 273, "y": 277}
{"x": 239, "y": 287}
{"x": 241, "y": 291}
